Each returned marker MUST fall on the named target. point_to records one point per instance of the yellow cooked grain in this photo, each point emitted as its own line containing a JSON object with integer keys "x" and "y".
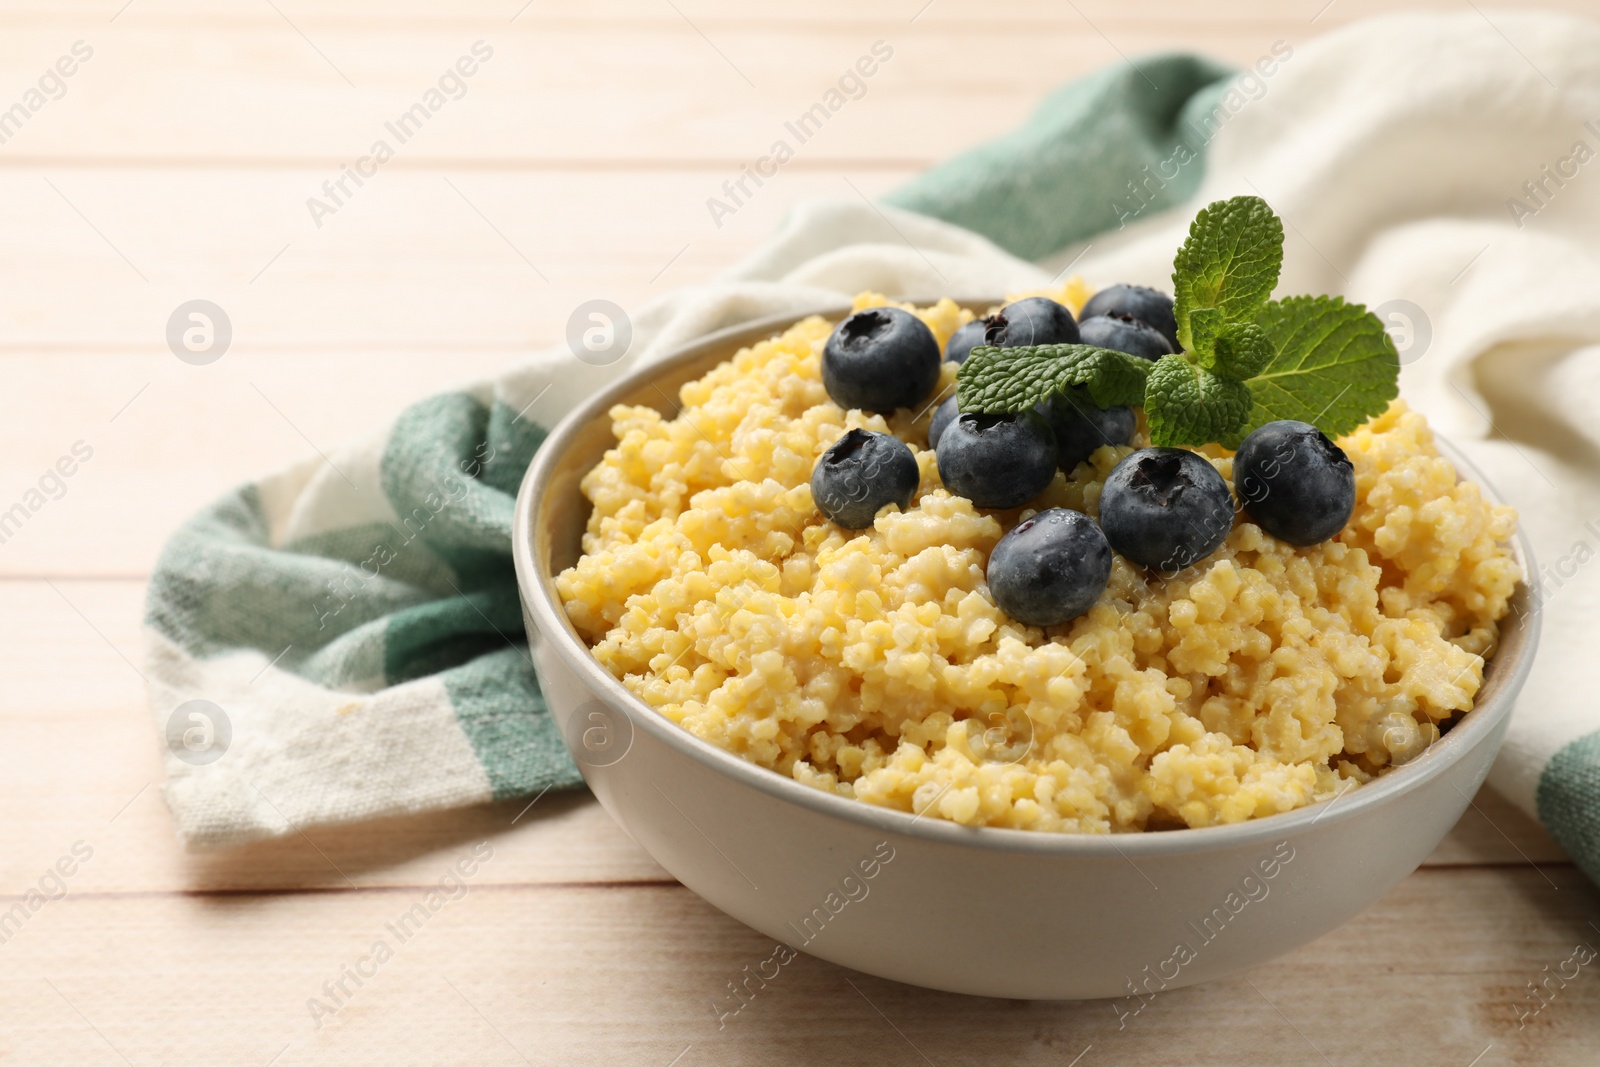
{"x": 874, "y": 665}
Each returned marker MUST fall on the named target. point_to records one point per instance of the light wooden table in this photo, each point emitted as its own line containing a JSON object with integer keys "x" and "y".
{"x": 177, "y": 165}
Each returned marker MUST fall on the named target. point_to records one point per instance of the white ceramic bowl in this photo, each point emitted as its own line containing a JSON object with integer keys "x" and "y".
{"x": 1004, "y": 913}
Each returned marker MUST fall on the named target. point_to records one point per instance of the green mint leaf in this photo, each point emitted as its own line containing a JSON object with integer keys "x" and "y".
{"x": 1189, "y": 405}
{"x": 1242, "y": 351}
{"x": 1335, "y": 365}
{"x": 1003, "y": 380}
{"x": 1229, "y": 262}
{"x": 1204, "y": 326}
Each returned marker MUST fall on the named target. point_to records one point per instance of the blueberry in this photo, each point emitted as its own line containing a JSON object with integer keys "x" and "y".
{"x": 860, "y": 473}
{"x": 1037, "y": 320}
{"x": 880, "y": 359}
{"x": 1081, "y": 427}
{"x": 1050, "y": 569}
{"x": 1150, "y": 306}
{"x": 997, "y": 461}
{"x": 1296, "y": 484}
{"x": 1165, "y": 508}
{"x": 1124, "y": 333}
{"x": 964, "y": 340}
{"x": 941, "y": 418}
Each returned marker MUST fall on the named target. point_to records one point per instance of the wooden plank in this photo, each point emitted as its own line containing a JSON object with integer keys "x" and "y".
{"x": 1436, "y": 972}
{"x": 637, "y": 82}
{"x": 426, "y": 262}
{"x": 549, "y": 93}
{"x": 1231, "y": 13}
{"x": 1237, "y": 16}
{"x": 185, "y": 435}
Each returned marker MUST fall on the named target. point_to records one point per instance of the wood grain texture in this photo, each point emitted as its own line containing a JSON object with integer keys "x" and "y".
{"x": 629, "y": 974}
{"x": 636, "y": 81}
{"x": 177, "y": 165}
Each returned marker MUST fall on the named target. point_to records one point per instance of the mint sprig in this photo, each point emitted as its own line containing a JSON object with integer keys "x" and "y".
{"x": 1230, "y": 262}
{"x": 1246, "y": 360}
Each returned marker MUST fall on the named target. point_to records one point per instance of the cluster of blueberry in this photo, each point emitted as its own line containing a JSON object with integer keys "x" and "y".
{"x": 1161, "y": 508}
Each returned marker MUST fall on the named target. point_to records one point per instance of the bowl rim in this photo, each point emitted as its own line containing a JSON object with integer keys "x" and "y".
{"x": 538, "y": 593}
